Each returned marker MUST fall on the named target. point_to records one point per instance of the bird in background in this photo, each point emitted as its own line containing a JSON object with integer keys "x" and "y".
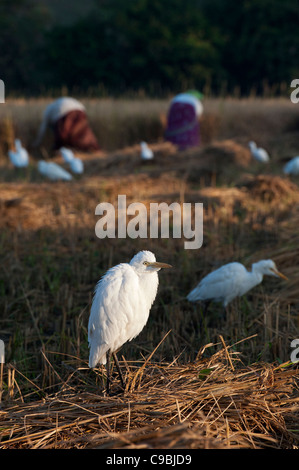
{"x": 292, "y": 167}
{"x": 146, "y": 152}
{"x": 53, "y": 171}
{"x": 76, "y": 166}
{"x": 230, "y": 281}
{"x": 18, "y": 157}
{"x": 67, "y": 154}
{"x": 120, "y": 309}
{"x": 259, "y": 154}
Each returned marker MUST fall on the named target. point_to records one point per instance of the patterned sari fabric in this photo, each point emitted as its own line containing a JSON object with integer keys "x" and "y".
{"x": 182, "y": 126}
{"x": 72, "y": 130}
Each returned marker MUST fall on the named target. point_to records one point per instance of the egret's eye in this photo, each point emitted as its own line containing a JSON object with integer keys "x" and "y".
{"x": 146, "y": 263}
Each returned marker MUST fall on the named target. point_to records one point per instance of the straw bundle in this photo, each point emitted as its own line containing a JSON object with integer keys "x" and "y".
{"x": 214, "y": 402}
{"x": 270, "y": 188}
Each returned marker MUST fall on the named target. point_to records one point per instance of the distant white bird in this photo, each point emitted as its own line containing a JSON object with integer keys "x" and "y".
{"x": 121, "y": 306}
{"x": 146, "y": 152}
{"x": 259, "y": 154}
{"x": 53, "y": 171}
{"x": 76, "y": 166}
{"x": 19, "y": 158}
{"x": 230, "y": 281}
{"x": 292, "y": 167}
{"x": 67, "y": 154}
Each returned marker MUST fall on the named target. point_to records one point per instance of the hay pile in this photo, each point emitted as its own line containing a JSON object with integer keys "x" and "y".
{"x": 269, "y": 188}
{"x": 218, "y": 155}
{"x": 215, "y": 402}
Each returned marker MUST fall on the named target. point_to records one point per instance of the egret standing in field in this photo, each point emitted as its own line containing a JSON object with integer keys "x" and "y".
{"x": 120, "y": 308}
{"x": 53, "y": 171}
{"x": 292, "y": 167}
{"x": 67, "y": 154}
{"x": 18, "y": 157}
{"x": 230, "y": 281}
{"x": 146, "y": 152}
{"x": 76, "y": 166}
{"x": 259, "y": 154}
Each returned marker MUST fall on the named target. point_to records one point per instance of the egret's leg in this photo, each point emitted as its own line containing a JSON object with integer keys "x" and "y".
{"x": 206, "y": 306}
{"x": 224, "y": 313}
{"x": 118, "y": 369}
{"x": 108, "y": 372}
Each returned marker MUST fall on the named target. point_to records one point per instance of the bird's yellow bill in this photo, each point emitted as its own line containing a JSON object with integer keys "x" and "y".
{"x": 156, "y": 264}
{"x": 281, "y": 275}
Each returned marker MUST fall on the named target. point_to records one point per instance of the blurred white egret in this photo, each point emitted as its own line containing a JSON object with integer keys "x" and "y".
{"x": 120, "y": 308}
{"x": 259, "y": 154}
{"x": 76, "y": 166}
{"x": 230, "y": 281}
{"x": 53, "y": 171}
{"x": 146, "y": 152}
{"x": 18, "y": 157}
{"x": 67, "y": 154}
{"x": 292, "y": 167}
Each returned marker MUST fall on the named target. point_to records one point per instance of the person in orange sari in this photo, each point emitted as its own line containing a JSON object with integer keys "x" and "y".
{"x": 68, "y": 120}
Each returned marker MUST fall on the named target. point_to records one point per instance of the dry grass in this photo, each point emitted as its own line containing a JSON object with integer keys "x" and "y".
{"x": 212, "y": 402}
{"x": 231, "y": 393}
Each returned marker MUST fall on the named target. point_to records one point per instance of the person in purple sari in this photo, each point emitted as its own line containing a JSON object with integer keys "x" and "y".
{"x": 183, "y": 119}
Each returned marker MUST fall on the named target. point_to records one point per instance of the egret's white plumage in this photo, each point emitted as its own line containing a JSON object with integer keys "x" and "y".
{"x": 18, "y": 157}
{"x": 67, "y": 154}
{"x": 292, "y": 167}
{"x": 76, "y": 166}
{"x": 259, "y": 154}
{"x": 146, "y": 152}
{"x": 232, "y": 280}
{"x": 53, "y": 171}
{"x": 121, "y": 304}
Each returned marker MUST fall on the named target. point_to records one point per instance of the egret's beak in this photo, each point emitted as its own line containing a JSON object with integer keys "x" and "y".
{"x": 156, "y": 264}
{"x": 280, "y": 275}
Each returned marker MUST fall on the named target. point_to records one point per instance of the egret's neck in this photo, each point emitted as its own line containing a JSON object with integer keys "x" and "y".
{"x": 256, "y": 275}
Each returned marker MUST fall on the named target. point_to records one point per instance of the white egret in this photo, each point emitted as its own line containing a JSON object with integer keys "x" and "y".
{"x": 53, "y": 171}
{"x": 76, "y": 166}
{"x": 67, "y": 154}
{"x": 260, "y": 154}
{"x": 120, "y": 308}
{"x": 292, "y": 167}
{"x": 146, "y": 152}
{"x": 230, "y": 281}
{"x": 18, "y": 157}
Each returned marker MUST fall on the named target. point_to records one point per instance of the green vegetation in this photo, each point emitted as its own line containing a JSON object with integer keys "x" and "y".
{"x": 151, "y": 45}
